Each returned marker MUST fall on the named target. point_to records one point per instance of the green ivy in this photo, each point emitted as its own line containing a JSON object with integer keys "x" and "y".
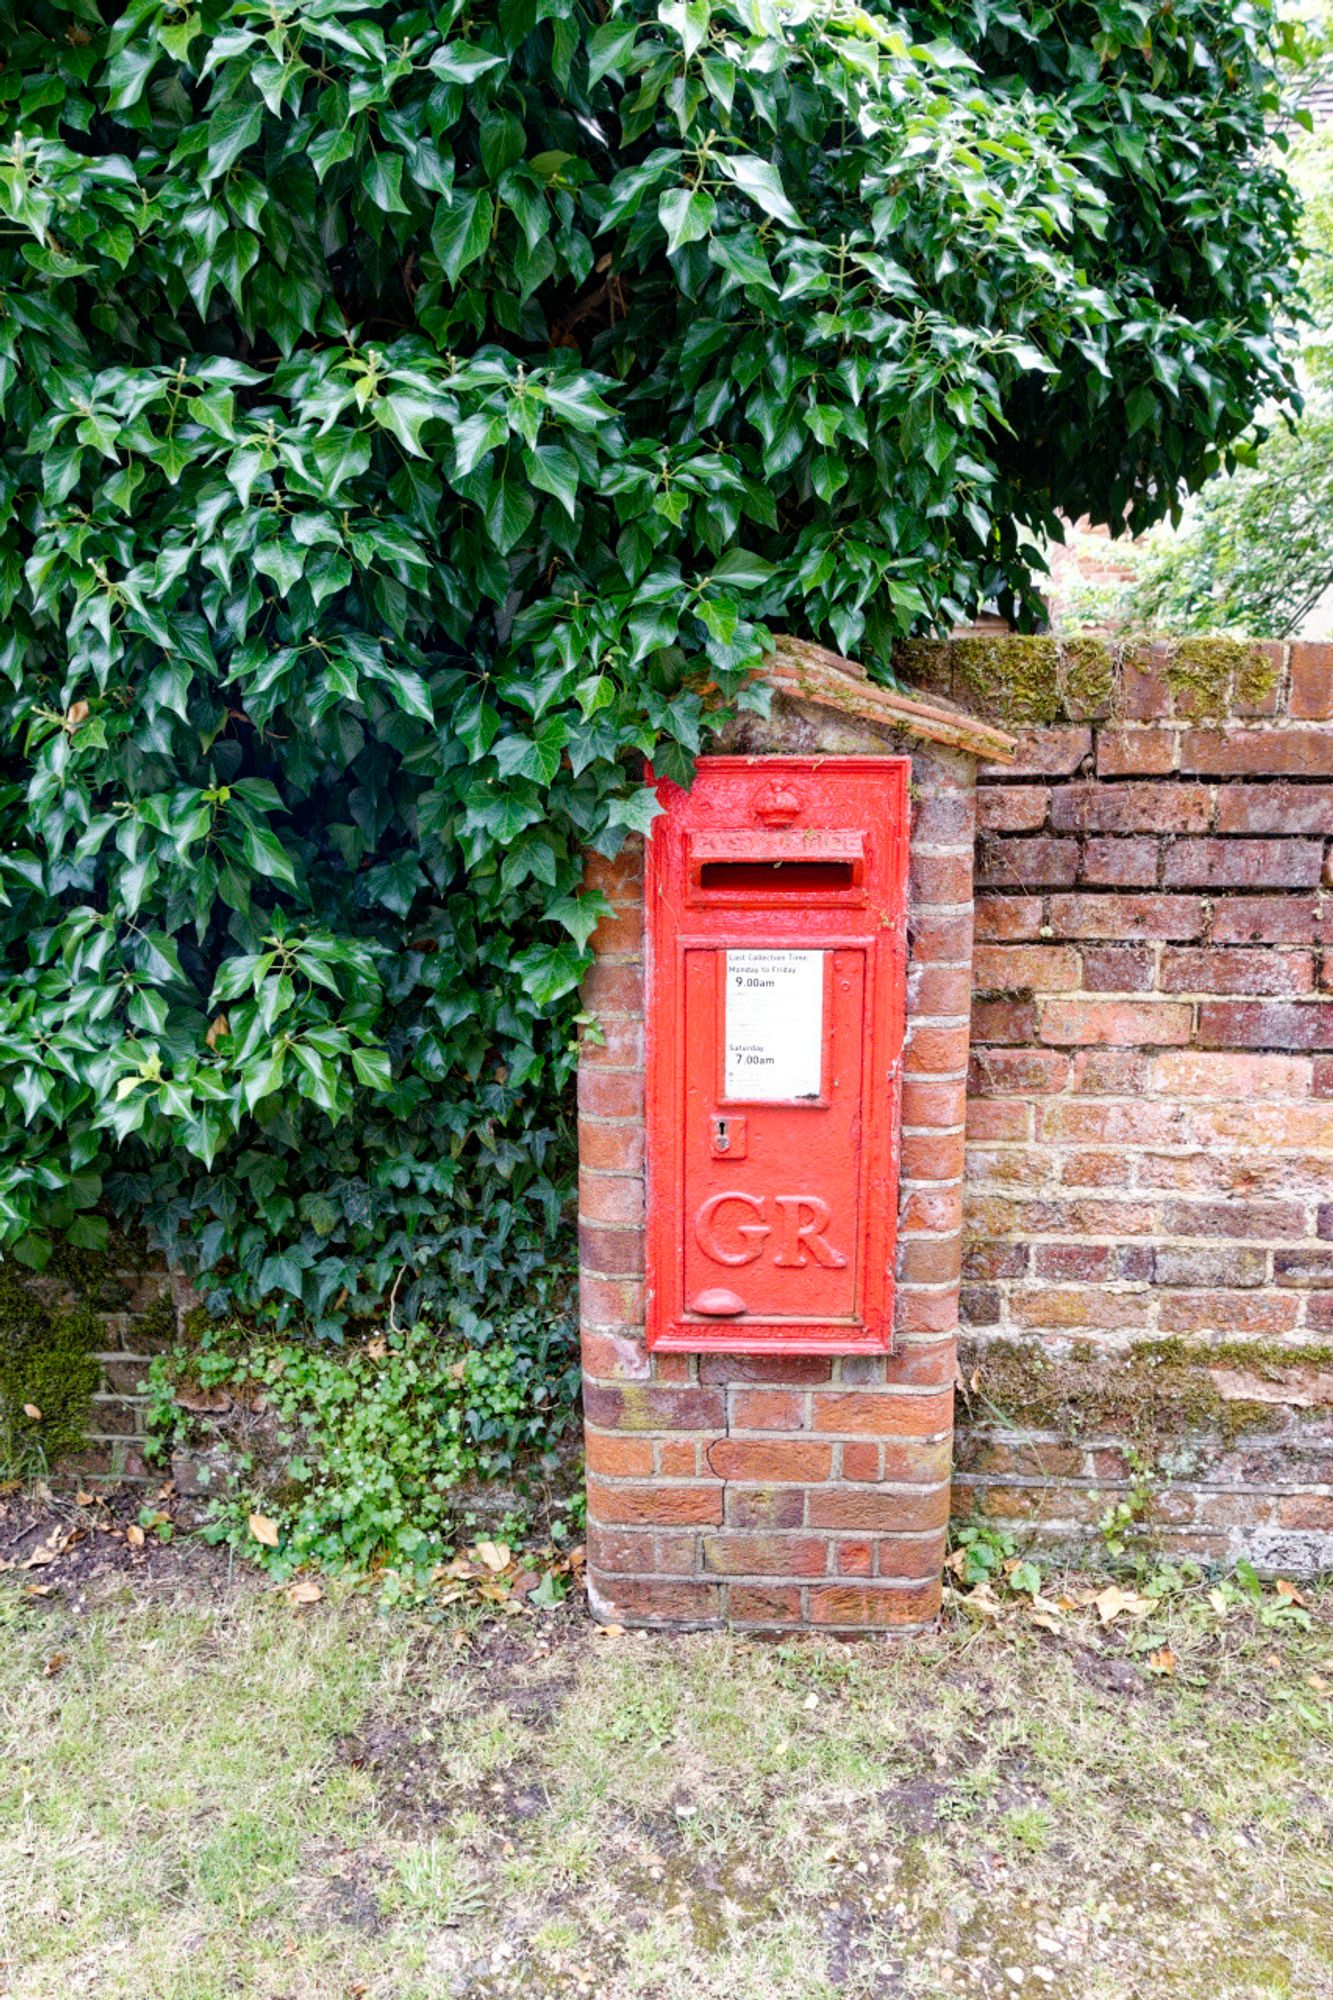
{"x": 417, "y": 417}
{"x": 361, "y": 1456}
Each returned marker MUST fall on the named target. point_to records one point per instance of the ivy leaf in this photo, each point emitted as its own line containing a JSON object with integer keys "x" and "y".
{"x": 509, "y": 509}
{"x": 548, "y": 972}
{"x": 235, "y": 125}
{"x": 762, "y": 182}
{"x": 461, "y": 230}
{"x": 686, "y": 216}
{"x": 267, "y": 856}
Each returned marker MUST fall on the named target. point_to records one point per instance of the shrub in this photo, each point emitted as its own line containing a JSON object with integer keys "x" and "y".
{"x": 416, "y": 418}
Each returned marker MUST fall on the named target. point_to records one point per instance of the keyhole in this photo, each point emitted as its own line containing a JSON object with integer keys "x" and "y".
{"x": 723, "y": 1138}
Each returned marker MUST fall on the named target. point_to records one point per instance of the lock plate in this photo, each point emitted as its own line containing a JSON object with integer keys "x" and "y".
{"x": 729, "y": 1136}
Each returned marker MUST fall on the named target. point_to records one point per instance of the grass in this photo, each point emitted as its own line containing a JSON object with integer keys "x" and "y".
{"x": 207, "y": 1793}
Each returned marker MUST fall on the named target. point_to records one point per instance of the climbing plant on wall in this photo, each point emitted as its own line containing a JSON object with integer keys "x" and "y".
{"x": 416, "y": 416}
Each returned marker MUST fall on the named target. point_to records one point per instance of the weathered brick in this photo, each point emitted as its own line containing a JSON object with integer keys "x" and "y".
{"x": 610, "y": 1301}
{"x": 1004, "y": 1021}
{"x": 940, "y": 990}
{"x": 1116, "y": 863}
{"x": 998, "y": 1118}
{"x": 1321, "y": 1077}
{"x": 855, "y": 1558}
{"x": 617, "y": 1456}
{"x": 1309, "y": 1267}
{"x": 1038, "y": 862}
{"x": 1222, "y": 970}
{"x": 1042, "y": 752}
{"x": 1227, "y": 1312}
{"x": 1265, "y": 920}
{"x": 1014, "y": 968}
{"x": 1281, "y": 751}
{"x": 765, "y": 1507}
{"x": 1119, "y": 968}
{"x": 932, "y": 1103}
{"x": 1266, "y": 1024}
{"x": 1054, "y": 1306}
{"x": 1128, "y": 1023}
{"x": 612, "y": 1251}
{"x": 1255, "y": 1220}
{"x": 935, "y": 1051}
{"x": 1131, "y": 808}
{"x": 931, "y": 1156}
{"x": 778, "y": 1370}
{"x": 770, "y": 1461}
{"x": 610, "y": 1197}
{"x": 763, "y": 1606}
{"x": 609, "y": 1093}
{"x": 874, "y": 1607}
{"x": 1012, "y": 808}
{"x": 940, "y": 937}
{"x": 769, "y": 1410}
{"x": 1109, "y": 1072}
{"x": 1017, "y": 1072}
{"x": 765, "y": 1555}
{"x": 882, "y": 1414}
{"x": 657, "y": 1601}
{"x": 1205, "y": 1073}
{"x": 1311, "y": 696}
{"x": 940, "y": 878}
{"x": 996, "y": 1260}
{"x": 1209, "y": 1265}
{"x": 611, "y": 1147}
{"x": 1119, "y": 919}
{"x": 879, "y": 1509}
{"x": 1241, "y": 864}
{"x": 1008, "y": 919}
{"x": 1133, "y": 753}
{"x": 943, "y": 819}
{"x": 615, "y": 1357}
{"x": 656, "y": 1504}
{"x": 937, "y": 1209}
{"x": 1277, "y": 808}
{"x": 614, "y": 987}
{"x": 654, "y": 1406}
{"x": 928, "y": 1260}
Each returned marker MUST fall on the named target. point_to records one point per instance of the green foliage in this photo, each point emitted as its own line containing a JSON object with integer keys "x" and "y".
{"x": 414, "y": 419}
{"x": 48, "y": 1365}
{"x": 1254, "y": 552}
{"x": 360, "y": 1454}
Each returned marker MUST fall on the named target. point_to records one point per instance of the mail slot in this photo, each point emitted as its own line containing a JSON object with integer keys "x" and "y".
{"x": 776, "y": 912}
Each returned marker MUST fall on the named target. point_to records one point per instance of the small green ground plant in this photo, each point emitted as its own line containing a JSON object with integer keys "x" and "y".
{"x": 365, "y": 1457}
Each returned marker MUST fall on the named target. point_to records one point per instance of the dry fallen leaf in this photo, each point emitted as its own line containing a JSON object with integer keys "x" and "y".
{"x": 1287, "y": 1590}
{"x": 1319, "y": 1684}
{"x": 82, "y": 1499}
{"x": 1163, "y": 1661}
{"x": 495, "y": 1555}
{"x": 1219, "y": 1603}
{"x": 31, "y": 1410}
{"x": 134, "y": 1535}
{"x": 264, "y": 1530}
{"x": 1047, "y": 1621}
{"x": 1113, "y": 1601}
{"x": 217, "y": 1027}
{"x": 608, "y": 1631}
{"x": 981, "y": 1602}
{"x": 305, "y": 1591}
{"x": 56, "y": 1662}
{"x": 377, "y": 1348}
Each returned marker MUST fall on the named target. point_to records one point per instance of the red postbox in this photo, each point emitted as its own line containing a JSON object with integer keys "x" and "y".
{"x": 776, "y": 894}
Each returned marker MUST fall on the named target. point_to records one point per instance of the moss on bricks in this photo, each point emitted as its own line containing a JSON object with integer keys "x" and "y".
{"x": 1154, "y": 1392}
{"x": 1205, "y": 674}
{"x": 1087, "y": 678}
{"x": 925, "y": 664}
{"x": 48, "y": 1365}
{"x": 1012, "y": 677}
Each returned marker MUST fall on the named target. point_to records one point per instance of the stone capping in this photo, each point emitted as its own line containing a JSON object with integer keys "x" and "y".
{"x": 810, "y": 673}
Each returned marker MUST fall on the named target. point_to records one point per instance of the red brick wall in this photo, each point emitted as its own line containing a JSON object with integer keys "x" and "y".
{"x": 779, "y": 1493}
{"x": 1148, "y": 1303}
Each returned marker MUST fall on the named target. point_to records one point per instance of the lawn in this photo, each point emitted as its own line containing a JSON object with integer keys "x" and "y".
{"x": 210, "y": 1791}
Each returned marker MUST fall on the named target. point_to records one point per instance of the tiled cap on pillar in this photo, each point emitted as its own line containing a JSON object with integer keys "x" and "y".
{"x": 770, "y": 1238}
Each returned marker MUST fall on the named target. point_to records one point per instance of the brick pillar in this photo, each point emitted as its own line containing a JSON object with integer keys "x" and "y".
{"x": 767, "y": 1492}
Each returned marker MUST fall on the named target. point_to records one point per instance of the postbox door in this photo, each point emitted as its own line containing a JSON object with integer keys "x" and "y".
{"x": 771, "y": 1146}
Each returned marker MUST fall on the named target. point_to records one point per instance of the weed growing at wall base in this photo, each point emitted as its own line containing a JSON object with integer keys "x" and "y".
{"x": 363, "y": 1457}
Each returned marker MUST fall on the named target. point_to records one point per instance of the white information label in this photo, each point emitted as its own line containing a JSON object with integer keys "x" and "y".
{"x": 775, "y": 1024}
